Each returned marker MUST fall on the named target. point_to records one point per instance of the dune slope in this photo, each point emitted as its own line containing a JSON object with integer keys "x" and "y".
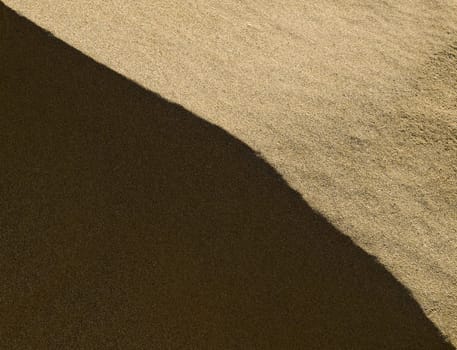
{"x": 128, "y": 222}
{"x": 352, "y": 102}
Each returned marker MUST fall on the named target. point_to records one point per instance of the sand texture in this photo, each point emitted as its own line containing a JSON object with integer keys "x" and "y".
{"x": 228, "y": 175}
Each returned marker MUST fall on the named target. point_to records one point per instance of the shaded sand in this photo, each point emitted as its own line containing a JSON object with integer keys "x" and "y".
{"x": 127, "y": 222}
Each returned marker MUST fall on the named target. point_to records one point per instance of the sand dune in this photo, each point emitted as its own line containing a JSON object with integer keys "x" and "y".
{"x": 131, "y": 222}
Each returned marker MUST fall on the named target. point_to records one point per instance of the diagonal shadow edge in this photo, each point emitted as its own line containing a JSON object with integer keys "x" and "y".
{"x": 129, "y": 222}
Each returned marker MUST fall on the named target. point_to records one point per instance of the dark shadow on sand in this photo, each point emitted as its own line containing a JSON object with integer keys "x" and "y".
{"x": 127, "y": 222}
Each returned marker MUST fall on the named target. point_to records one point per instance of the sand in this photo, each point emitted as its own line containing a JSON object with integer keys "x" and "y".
{"x": 298, "y": 192}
